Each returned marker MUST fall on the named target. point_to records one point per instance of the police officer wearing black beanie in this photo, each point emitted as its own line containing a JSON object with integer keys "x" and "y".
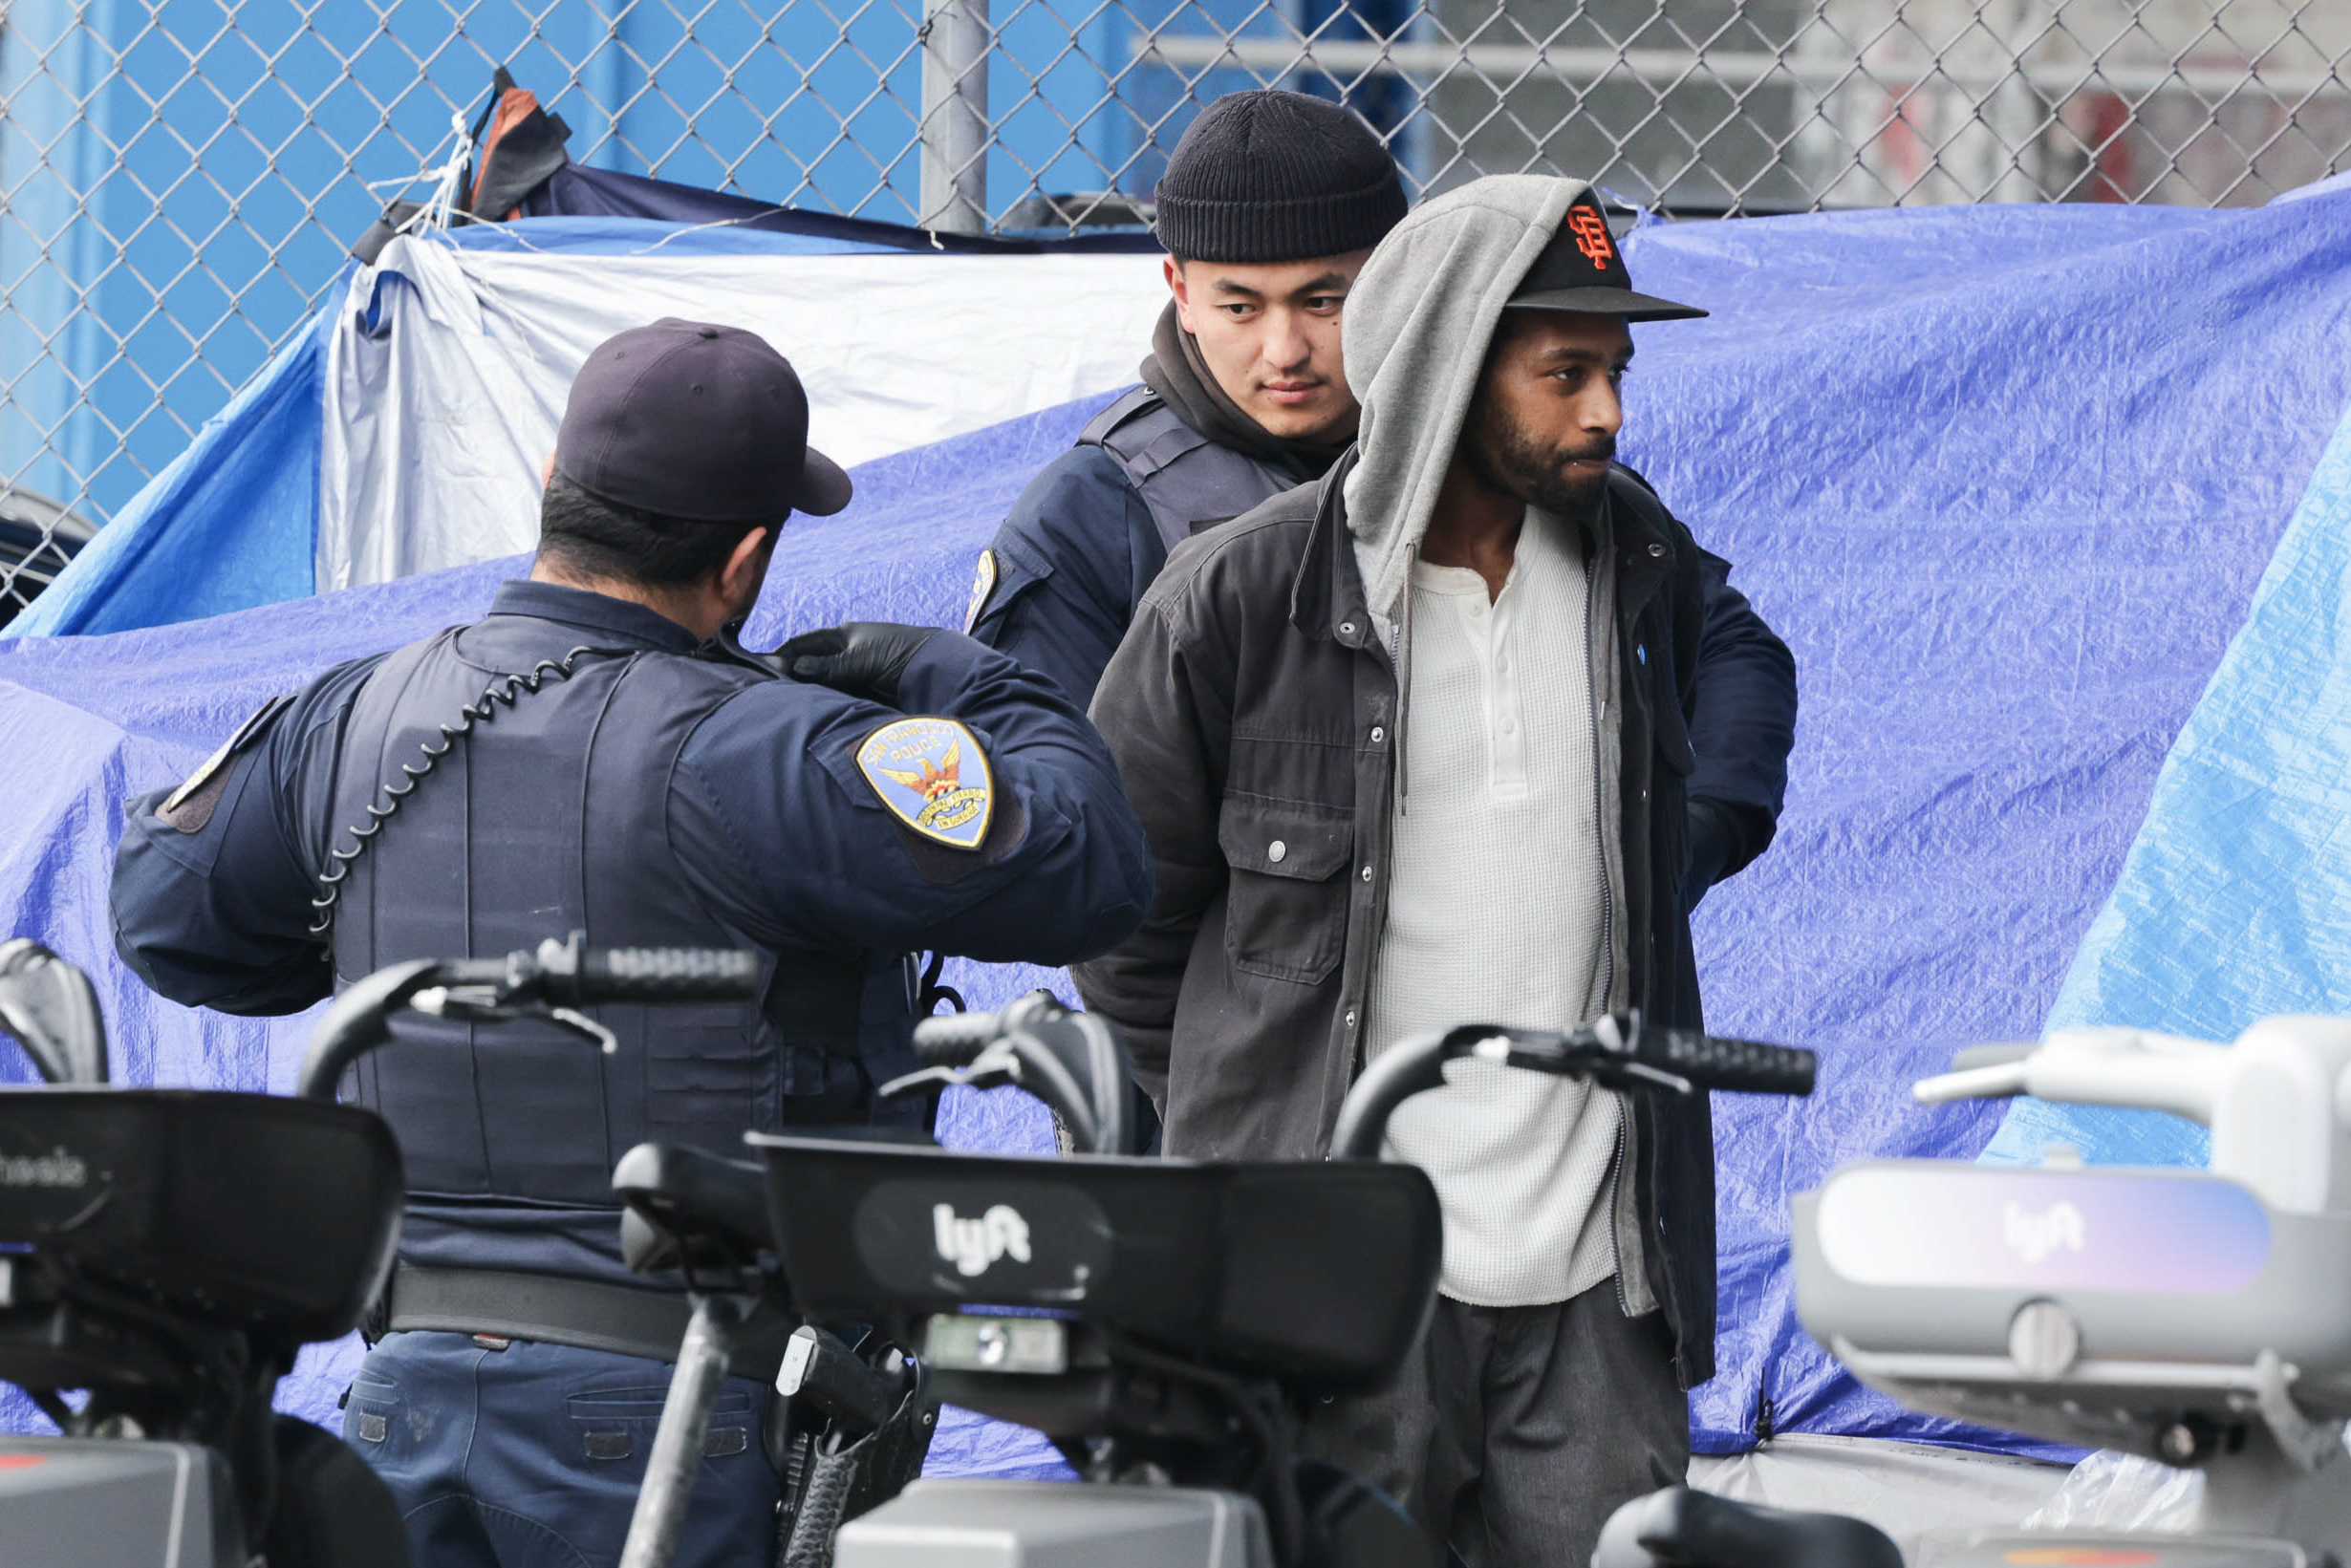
{"x": 1270, "y": 205}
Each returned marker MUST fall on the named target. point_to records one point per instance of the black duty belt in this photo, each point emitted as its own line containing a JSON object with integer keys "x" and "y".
{"x": 554, "y": 1309}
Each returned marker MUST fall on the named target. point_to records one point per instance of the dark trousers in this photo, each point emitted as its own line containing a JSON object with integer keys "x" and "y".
{"x": 1514, "y": 1433}
{"x": 530, "y": 1456}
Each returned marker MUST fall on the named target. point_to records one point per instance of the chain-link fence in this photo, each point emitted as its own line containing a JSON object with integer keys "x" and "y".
{"x": 182, "y": 178}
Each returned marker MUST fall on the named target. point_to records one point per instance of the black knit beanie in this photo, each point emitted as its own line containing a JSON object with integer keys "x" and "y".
{"x": 1269, "y": 176}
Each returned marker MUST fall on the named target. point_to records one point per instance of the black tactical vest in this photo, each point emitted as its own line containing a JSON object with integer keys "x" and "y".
{"x": 546, "y": 818}
{"x": 1187, "y": 482}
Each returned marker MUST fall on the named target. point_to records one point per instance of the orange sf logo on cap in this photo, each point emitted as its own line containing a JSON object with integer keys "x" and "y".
{"x": 1591, "y": 233}
{"x": 2080, "y": 1556}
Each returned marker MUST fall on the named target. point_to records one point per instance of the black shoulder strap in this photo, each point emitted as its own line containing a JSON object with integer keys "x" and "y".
{"x": 504, "y": 691}
{"x": 727, "y": 647}
{"x": 1126, "y": 406}
{"x": 1187, "y": 480}
{"x": 1629, "y": 489}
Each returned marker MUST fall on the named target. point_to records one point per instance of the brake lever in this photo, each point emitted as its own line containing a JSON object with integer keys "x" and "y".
{"x": 487, "y": 1004}
{"x": 1628, "y": 1071}
{"x": 585, "y": 1028}
{"x": 1601, "y": 1054}
{"x": 981, "y": 1074}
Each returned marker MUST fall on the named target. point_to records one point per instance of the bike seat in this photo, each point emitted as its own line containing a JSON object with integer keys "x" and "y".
{"x": 714, "y": 1209}
{"x": 1320, "y": 1274}
{"x": 1685, "y": 1528}
{"x": 253, "y": 1211}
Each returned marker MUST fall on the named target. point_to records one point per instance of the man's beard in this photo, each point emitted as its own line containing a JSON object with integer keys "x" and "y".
{"x": 1506, "y": 458}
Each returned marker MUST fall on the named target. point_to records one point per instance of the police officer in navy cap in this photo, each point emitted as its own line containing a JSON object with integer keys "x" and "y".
{"x": 1270, "y": 205}
{"x": 645, "y": 781}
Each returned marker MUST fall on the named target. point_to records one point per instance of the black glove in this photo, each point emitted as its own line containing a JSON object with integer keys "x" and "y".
{"x": 1723, "y": 839}
{"x": 1711, "y": 847}
{"x": 862, "y": 658}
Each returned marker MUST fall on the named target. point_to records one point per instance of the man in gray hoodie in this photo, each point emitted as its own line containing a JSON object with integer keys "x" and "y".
{"x": 1411, "y": 749}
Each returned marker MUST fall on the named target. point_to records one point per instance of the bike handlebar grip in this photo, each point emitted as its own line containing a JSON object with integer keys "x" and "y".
{"x": 1742, "y": 1066}
{"x": 952, "y": 1040}
{"x": 668, "y": 975}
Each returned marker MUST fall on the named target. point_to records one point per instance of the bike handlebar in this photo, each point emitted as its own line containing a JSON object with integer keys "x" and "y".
{"x": 52, "y": 1010}
{"x": 568, "y": 975}
{"x": 953, "y": 1039}
{"x": 1739, "y": 1066}
{"x": 559, "y": 975}
{"x": 1619, "y": 1051}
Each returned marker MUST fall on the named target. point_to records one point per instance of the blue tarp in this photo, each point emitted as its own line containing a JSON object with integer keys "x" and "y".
{"x": 2004, "y": 478}
{"x": 230, "y": 523}
{"x": 2229, "y": 908}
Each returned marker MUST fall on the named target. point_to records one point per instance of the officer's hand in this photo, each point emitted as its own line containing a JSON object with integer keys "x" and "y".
{"x": 863, "y": 658}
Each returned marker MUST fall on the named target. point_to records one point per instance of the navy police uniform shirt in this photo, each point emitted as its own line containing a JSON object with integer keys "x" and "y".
{"x": 1058, "y": 586}
{"x": 770, "y": 816}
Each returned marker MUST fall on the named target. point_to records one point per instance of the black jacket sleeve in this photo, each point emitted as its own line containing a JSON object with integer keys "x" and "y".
{"x": 212, "y": 908}
{"x": 1742, "y": 729}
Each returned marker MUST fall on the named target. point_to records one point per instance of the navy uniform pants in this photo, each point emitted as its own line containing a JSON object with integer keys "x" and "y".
{"x": 531, "y": 1456}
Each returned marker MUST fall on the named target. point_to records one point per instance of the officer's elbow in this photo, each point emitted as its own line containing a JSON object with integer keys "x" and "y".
{"x": 1118, "y": 883}
{"x": 1116, "y": 914}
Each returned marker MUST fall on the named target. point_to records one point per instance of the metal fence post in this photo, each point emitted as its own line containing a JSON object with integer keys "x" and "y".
{"x": 955, "y": 116}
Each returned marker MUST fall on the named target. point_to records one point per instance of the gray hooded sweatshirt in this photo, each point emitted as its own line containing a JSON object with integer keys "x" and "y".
{"x": 1437, "y": 281}
{"x": 1524, "y": 1165}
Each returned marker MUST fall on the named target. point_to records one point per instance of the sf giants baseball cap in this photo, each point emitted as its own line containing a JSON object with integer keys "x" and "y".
{"x": 1582, "y": 270}
{"x": 697, "y": 421}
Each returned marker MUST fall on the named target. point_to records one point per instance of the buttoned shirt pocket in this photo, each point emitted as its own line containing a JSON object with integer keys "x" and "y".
{"x": 1287, "y": 901}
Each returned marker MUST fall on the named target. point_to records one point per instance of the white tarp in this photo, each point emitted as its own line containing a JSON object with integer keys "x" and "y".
{"x": 1930, "y": 1500}
{"x": 447, "y": 369}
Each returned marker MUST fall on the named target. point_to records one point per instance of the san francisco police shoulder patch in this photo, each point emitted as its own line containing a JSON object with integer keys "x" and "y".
{"x": 182, "y": 808}
{"x": 983, "y": 584}
{"x": 933, "y": 777}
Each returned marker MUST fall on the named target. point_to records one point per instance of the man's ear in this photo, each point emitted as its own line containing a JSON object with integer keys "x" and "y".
{"x": 746, "y": 566}
{"x": 1176, "y": 285}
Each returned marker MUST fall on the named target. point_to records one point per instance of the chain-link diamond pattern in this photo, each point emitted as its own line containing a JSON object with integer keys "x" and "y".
{"x": 180, "y": 178}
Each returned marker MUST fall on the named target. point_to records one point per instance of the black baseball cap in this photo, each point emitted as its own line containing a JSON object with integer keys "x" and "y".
{"x": 697, "y": 421}
{"x": 1582, "y": 269}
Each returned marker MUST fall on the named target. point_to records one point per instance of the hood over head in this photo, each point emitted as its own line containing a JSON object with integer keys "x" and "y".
{"x": 1418, "y": 324}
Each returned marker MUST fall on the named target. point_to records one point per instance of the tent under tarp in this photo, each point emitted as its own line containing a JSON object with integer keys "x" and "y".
{"x": 403, "y": 429}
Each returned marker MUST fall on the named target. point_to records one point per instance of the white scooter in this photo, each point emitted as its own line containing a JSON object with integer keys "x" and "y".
{"x": 2202, "y": 1318}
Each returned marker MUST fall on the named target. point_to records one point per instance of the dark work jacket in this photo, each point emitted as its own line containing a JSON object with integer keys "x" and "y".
{"x": 1058, "y": 585}
{"x": 1253, "y": 701}
{"x": 1092, "y": 530}
{"x": 652, "y": 796}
